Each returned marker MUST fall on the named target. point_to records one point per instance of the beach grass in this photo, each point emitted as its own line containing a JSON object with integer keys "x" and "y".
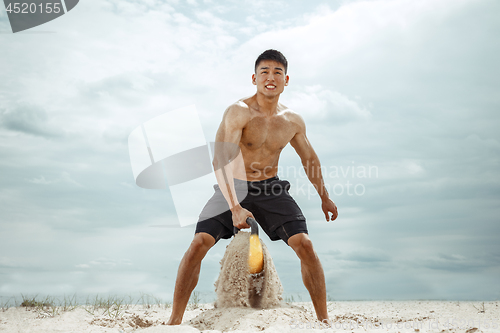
{"x": 48, "y": 306}
{"x": 110, "y": 306}
{"x": 4, "y": 306}
{"x": 194, "y": 300}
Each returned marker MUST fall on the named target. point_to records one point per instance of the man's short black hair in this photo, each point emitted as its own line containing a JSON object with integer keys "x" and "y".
{"x": 272, "y": 55}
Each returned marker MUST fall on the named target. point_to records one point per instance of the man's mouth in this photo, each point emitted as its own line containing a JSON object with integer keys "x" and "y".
{"x": 270, "y": 86}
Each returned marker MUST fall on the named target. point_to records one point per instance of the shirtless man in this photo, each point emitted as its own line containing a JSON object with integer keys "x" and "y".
{"x": 261, "y": 127}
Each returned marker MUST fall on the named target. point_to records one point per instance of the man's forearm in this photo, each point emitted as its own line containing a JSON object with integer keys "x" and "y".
{"x": 224, "y": 160}
{"x": 225, "y": 179}
{"x": 312, "y": 167}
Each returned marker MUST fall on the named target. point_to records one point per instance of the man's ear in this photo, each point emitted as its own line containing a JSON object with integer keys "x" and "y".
{"x": 286, "y": 80}
{"x": 253, "y": 79}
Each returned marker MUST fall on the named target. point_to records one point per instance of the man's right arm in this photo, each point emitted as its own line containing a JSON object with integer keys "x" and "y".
{"x": 227, "y": 149}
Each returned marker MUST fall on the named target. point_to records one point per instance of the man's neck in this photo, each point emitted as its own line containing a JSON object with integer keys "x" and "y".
{"x": 266, "y": 105}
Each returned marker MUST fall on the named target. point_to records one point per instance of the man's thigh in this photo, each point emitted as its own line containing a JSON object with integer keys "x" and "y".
{"x": 288, "y": 229}
{"x": 214, "y": 228}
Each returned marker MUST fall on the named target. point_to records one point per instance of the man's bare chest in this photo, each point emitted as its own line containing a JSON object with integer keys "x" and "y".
{"x": 272, "y": 134}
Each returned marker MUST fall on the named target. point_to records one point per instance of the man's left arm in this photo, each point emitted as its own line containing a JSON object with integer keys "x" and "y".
{"x": 312, "y": 167}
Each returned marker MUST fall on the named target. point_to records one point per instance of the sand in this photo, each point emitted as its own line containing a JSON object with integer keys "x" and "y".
{"x": 235, "y": 287}
{"x": 369, "y": 316}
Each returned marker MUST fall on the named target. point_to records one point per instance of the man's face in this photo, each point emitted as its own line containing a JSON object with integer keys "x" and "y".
{"x": 270, "y": 78}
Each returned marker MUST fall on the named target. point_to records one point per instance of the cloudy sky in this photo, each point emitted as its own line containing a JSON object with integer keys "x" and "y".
{"x": 401, "y": 102}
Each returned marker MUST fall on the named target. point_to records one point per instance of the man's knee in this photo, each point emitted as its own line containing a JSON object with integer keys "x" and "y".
{"x": 201, "y": 243}
{"x": 302, "y": 245}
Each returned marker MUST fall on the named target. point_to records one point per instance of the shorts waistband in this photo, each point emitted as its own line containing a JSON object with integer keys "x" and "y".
{"x": 244, "y": 184}
{"x": 256, "y": 182}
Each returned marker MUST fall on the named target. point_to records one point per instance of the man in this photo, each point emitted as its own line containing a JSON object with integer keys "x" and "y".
{"x": 259, "y": 127}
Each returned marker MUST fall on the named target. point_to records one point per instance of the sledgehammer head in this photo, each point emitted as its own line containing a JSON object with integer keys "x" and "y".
{"x": 255, "y": 255}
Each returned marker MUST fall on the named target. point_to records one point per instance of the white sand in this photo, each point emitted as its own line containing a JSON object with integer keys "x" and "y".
{"x": 427, "y": 316}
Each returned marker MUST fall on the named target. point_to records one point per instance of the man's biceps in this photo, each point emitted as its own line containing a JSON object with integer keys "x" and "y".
{"x": 305, "y": 152}
{"x": 233, "y": 122}
{"x": 226, "y": 150}
{"x": 233, "y": 138}
{"x": 295, "y": 142}
{"x": 229, "y": 134}
{"x": 299, "y": 143}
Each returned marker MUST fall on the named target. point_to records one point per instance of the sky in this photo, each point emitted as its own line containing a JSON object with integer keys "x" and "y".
{"x": 400, "y": 100}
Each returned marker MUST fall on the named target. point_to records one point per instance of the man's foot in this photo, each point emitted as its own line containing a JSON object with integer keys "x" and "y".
{"x": 171, "y": 321}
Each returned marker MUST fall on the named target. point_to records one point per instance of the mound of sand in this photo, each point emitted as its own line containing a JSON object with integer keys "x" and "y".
{"x": 249, "y": 319}
{"x": 235, "y": 287}
{"x": 255, "y": 299}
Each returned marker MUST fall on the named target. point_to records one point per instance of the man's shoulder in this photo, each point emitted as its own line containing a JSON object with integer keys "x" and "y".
{"x": 239, "y": 105}
{"x": 291, "y": 115}
{"x": 238, "y": 111}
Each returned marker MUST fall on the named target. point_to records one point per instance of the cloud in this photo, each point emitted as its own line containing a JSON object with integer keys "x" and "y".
{"x": 8, "y": 263}
{"x": 40, "y": 180}
{"x": 367, "y": 255}
{"x": 29, "y": 119}
{"x": 319, "y": 105}
{"x": 330, "y": 35}
{"x": 65, "y": 178}
{"x": 105, "y": 263}
{"x": 461, "y": 263}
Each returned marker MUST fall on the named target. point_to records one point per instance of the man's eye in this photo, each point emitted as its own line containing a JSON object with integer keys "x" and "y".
{"x": 278, "y": 73}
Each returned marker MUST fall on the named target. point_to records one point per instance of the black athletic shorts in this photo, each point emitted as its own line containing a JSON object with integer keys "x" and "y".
{"x": 268, "y": 200}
